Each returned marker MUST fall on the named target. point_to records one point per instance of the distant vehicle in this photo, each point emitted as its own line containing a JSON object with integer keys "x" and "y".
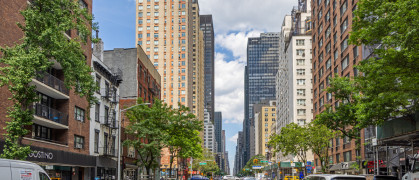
{"x": 334, "y": 177}
{"x": 291, "y": 178}
{"x": 249, "y": 178}
{"x": 229, "y": 177}
{"x": 18, "y": 170}
{"x": 385, "y": 178}
{"x": 199, "y": 177}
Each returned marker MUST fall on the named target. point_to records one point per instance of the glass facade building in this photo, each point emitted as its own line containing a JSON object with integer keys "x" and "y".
{"x": 262, "y": 66}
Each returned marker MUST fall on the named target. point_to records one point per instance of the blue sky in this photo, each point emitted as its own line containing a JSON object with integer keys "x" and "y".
{"x": 234, "y": 22}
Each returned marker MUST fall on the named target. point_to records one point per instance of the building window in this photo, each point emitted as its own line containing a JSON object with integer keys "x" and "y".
{"x": 78, "y": 142}
{"x": 343, "y": 8}
{"x": 347, "y": 156}
{"x": 79, "y": 114}
{"x": 301, "y": 112}
{"x": 328, "y": 96}
{"x": 301, "y": 92}
{"x": 96, "y": 148}
{"x": 344, "y": 26}
{"x": 328, "y": 48}
{"x": 301, "y": 102}
{"x": 97, "y": 112}
{"x": 301, "y": 81}
{"x": 338, "y": 158}
{"x": 300, "y": 42}
{"x": 336, "y": 55}
{"x": 300, "y": 62}
{"x": 301, "y": 72}
{"x": 320, "y": 42}
{"x": 300, "y": 52}
{"x": 41, "y": 132}
{"x": 345, "y": 62}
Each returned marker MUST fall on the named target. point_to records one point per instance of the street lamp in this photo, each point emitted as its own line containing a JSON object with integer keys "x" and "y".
{"x": 119, "y": 136}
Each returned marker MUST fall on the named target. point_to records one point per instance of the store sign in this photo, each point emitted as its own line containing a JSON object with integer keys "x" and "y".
{"x": 41, "y": 155}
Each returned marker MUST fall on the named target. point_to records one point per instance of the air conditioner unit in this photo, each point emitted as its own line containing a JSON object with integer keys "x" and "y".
{"x": 79, "y": 146}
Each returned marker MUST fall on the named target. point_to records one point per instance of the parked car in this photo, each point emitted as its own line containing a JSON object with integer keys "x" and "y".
{"x": 381, "y": 177}
{"x": 199, "y": 177}
{"x": 334, "y": 177}
{"x": 17, "y": 170}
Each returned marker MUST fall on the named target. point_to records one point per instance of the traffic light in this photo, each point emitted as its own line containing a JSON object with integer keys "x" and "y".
{"x": 255, "y": 161}
{"x": 279, "y": 164}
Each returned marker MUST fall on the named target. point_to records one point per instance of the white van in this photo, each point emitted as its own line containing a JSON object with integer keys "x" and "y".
{"x": 334, "y": 177}
{"x": 21, "y": 170}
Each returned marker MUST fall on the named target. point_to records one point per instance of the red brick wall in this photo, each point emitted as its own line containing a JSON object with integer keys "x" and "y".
{"x": 10, "y": 34}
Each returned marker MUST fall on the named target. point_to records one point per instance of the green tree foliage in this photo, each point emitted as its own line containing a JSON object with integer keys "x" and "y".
{"x": 247, "y": 169}
{"x": 299, "y": 140}
{"x": 148, "y": 125}
{"x": 183, "y": 131}
{"x": 43, "y": 43}
{"x": 319, "y": 137}
{"x": 390, "y": 81}
{"x": 160, "y": 126}
{"x": 291, "y": 141}
{"x": 209, "y": 158}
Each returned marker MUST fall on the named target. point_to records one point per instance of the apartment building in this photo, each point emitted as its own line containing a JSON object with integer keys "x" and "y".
{"x": 294, "y": 78}
{"x": 140, "y": 80}
{"x": 164, "y": 29}
{"x": 209, "y": 134}
{"x": 266, "y": 111}
{"x": 333, "y": 56}
{"x": 59, "y": 136}
{"x": 198, "y": 65}
{"x": 104, "y": 116}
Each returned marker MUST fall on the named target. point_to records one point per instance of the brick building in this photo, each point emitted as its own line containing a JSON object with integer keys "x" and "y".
{"x": 59, "y": 135}
{"x": 140, "y": 80}
{"x": 333, "y": 56}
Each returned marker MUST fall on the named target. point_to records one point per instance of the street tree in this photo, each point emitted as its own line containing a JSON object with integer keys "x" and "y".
{"x": 44, "y": 43}
{"x": 319, "y": 137}
{"x": 183, "y": 132}
{"x": 253, "y": 161}
{"x": 390, "y": 77}
{"x": 148, "y": 125}
{"x": 206, "y": 163}
{"x": 291, "y": 141}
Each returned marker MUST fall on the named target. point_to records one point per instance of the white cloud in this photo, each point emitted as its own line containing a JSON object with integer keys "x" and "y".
{"x": 229, "y": 93}
{"x": 236, "y": 43}
{"x": 234, "y": 138}
{"x": 245, "y": 15}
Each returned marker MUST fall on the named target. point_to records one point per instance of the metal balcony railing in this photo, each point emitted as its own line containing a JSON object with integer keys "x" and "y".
{"x": 52, "y": 81}
{"x": 108, "y": 121}
{"x": 51, "y": 114}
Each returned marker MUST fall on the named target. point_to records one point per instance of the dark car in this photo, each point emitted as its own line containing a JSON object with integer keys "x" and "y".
{"x": 199, "y": 177}
{"x": 385, "y": 178}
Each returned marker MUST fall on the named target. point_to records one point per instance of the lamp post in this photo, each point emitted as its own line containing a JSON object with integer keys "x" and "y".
{"x": 119, "y": 136}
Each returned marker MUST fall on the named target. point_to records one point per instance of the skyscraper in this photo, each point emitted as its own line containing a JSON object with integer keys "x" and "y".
{"x": 164, "y": 29}
{"x": 208, "y": 30}
{"x": 262, "y": 66}
{"x": 218, "y": 119}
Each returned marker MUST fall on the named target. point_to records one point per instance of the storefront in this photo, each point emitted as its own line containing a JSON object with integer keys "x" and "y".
{"x": 106, "y": 168}
{"x": 343, "y": 168}
{"x": 62, "y": 165}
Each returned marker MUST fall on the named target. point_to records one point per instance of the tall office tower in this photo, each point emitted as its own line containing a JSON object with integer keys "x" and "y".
{"x": 164, "y": 29}
{"x": 262, "y": 66}
{"x": 209, "y": 134}
{"x": 294, "y": 78}
{"x": 208, "y": 30}
{"x": 218, "y": 120}
{"x": 60, "y": 131}
{"x": 333, "y": 56}
{"x": 238, "y": 158}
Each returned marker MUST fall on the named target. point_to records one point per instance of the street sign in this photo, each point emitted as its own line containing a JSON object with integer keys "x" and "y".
{"x": 294, "y": 171}
{"x": 203, "y": 163}
{"x": 256, "y": 167}
{"x": 308, "y": 163}
{"x": 292, "y": 164}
